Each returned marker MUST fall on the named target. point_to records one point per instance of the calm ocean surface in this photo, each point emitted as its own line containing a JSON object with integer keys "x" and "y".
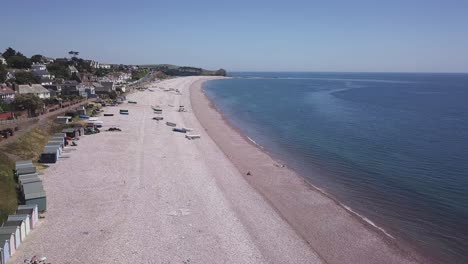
{"x": 393, "y": 147}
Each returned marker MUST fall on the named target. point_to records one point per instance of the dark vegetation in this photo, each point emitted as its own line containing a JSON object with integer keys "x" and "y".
{"x": 25, "y": 77}
{"x": 27, "y": 147}
{"x": 173, "y": 70}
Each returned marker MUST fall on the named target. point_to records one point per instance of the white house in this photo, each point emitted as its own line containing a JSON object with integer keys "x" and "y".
{"x": 73, "y": 69}
{"x": 104, "y": 66}
{"x": 36, "y": 89}
{"x": 6, "y": 92}
{"x": 2, "y": 60}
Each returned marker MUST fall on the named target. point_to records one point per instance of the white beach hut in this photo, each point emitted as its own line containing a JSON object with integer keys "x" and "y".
{"x": 4, "y": 249}
{"x": 24, "y": 218}
{"x": 15, "y": 230}
{"x": 35, "y": 211}
{"x": 20, "y": 224}
{"x": 10, "y": 238}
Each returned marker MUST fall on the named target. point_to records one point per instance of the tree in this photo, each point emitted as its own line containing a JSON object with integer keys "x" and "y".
{"x": 59, "y": 69}
{"x": 26, "y": 77}
{"x": 29, "y": 102}
{"x": 73, "y": 53}
{"x": 8, "y": 53}
{"x": 101, "y": 72}
{"x": 3, "y": 73}
{"x": 113, "y": 95}
{"x": 19, "y": 61}
{"x": 38, "y": 58}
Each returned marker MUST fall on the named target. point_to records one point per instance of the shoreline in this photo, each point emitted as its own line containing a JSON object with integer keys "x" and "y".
{"x": 289, "y": 202}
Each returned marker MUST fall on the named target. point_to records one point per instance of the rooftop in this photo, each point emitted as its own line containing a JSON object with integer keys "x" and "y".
{"x": 31, "y": 88}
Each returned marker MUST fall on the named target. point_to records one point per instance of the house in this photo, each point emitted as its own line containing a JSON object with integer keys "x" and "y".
{"x": 93, "y": 64}
{"x": 75, "y": 73}
{"x": 73, "y": 88}
{"x": 48, "y": 60}
{"x": 104, "y": 87}
{"x": 10, "y": 75}
{"x": 36, "y": 89}
{"x": 2, "y": 60}
{"x": 90, "y": 91}
{"x": 72, "y": 69}
{"x": 41, "y": 71}
{"x": 6, "y": 92}
{"x": 54, "y": 89}
{"x": 104, "y": 66}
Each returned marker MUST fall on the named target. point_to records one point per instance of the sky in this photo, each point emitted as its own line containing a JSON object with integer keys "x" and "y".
{"x": 254, "y": 35}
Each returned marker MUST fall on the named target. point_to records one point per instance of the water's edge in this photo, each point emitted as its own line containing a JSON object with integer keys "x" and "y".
{"x": 392, "y": 240}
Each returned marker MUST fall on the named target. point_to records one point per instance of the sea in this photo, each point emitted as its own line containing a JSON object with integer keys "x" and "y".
{"x": 391, "y": 147}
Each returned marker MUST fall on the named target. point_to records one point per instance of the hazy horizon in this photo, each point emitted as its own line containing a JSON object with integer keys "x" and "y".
{"x": 362, "y": 36}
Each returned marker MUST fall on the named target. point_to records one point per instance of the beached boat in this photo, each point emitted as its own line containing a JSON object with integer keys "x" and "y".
{"x": 132, "y": 102}
{"x": 181, "y": 130}
{"x": 108, "y": 114}
{"x": 171, "y": 124}
{"x": 192, "y": 136}
{"x": 157, "y": 118}
{"x": 123, "y": 112}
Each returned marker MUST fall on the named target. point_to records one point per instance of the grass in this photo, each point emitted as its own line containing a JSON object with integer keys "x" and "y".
{"x": 27, "y": 147}
{"x": 8, "y": 198}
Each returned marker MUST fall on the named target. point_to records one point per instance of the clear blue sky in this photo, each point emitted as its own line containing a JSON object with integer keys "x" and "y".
{"x": 360, "y": 35}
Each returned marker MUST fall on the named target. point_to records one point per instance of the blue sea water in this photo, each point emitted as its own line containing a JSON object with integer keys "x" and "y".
{"x": 393, "y": 147}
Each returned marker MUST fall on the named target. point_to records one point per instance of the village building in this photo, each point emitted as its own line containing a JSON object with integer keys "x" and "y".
{"x": 36, "y": 89}
{"x": 6, "y": 92}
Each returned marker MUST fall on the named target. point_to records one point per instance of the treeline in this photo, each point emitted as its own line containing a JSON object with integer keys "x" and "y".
{"x": 186, "y": 71}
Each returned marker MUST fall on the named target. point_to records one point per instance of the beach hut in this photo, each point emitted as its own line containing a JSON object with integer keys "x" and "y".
{"x": 23, "y": 217}
{"x": 33, "y": 193}
{"x": 58, "y": 138}
{"x": 56, "y": 142}
{"x": 71, "y": 132}
{"x": 30, "y": 213}
{"x": 10, "y": 238}
{"x": 61, "y": 135}
{"x": 23, "y": 163}
{"x": 27, "y": 176}
{"x": 35, "y": 211}
{"x": 62, "y": 119}
{"x": 15, "y": 231}
{"x": 26, "y": 169}
{"x": 21, "y": 226}
{"x": 49, "y": 155}
{"x": 4, "y": 248}
{"x": 24, "y": 181}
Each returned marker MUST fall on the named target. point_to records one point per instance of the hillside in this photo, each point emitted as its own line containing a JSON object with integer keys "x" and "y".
{"x": 174, "y": 70}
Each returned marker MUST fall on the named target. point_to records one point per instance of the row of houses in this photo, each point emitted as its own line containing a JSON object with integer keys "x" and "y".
{"x": 67, "y": 88}
{"x": 9, "y": 91}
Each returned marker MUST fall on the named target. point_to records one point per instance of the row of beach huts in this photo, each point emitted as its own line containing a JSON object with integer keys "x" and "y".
{"x": 33, "y": 198}
{"x": 54, "y": 148}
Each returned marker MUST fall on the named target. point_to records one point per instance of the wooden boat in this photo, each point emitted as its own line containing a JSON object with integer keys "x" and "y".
{"x": 171, "y": 124}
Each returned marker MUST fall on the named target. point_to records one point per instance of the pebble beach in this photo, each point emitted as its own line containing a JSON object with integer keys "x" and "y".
{"x": 147, "y": 194}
